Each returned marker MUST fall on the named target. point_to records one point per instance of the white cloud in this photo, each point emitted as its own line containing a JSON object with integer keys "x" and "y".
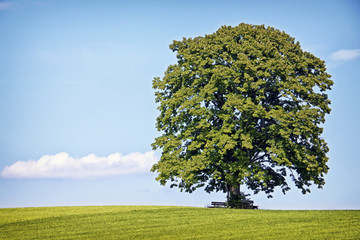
{"x": 345, "y": 55}
{"x": 62, "y": 165}
{"x": 5, "y": 5}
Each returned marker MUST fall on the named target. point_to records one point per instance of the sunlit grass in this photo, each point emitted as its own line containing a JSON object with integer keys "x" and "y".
{"x": 153, "y": 222}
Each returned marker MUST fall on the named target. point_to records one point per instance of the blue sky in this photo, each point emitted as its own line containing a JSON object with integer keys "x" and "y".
{"x": 77, "y": 110}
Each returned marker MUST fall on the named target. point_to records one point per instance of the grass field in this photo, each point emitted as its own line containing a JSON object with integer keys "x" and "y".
{"x": 151, "y": 222}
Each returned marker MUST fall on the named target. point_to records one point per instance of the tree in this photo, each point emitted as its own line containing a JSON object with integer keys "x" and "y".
{"x": 242, "y": 106}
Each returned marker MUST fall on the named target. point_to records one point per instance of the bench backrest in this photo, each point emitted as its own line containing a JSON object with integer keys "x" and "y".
{"x": 218, "y": 203}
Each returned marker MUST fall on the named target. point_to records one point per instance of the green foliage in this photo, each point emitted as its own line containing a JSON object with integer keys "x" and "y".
{"x": 243, "y": 105}
{"x": 135, "y": 222}
{"x": 239, "y": 201}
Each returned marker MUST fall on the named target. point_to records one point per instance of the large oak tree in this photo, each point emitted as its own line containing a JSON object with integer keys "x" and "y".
{"x": 242, "y": 106}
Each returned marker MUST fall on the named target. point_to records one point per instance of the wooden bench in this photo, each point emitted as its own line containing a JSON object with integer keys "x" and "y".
{"x": 248, "y": 205}
{"x": 218, "y": 204}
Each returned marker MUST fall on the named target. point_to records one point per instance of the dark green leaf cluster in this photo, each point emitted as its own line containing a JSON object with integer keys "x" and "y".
{"x": 239, "y": 201}
{"x": 242, "y": 106}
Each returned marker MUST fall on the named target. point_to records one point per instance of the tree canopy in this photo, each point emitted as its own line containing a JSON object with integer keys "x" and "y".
{"x": 242, "y": 106}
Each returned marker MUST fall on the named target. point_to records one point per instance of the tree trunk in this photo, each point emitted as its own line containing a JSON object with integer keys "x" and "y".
{"x": 234, "y": 189}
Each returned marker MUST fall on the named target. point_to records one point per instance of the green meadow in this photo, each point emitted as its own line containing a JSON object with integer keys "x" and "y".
{"x": 155, "y": 222}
